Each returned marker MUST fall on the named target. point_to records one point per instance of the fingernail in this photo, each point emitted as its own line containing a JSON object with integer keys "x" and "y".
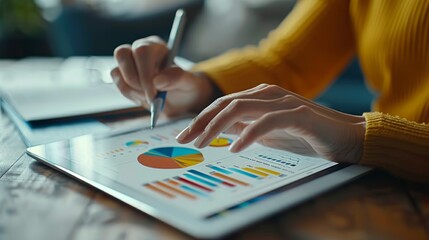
{"x": 199, "y": 141}
{"x": 235, "y": 146}
{"x": 182, "y": 135}
{"x": 206, "y": 142}
{"x": 115, "y": 78}
{"x": 202, "y": 140}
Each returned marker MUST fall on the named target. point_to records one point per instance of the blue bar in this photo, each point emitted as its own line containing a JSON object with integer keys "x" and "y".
{"x": 244, "y": 172}
{"x": 200, "y": 180}
{"x": 219, "y": 169}
{"x": 192, "y": 190}
{"x": 205, "y": 176}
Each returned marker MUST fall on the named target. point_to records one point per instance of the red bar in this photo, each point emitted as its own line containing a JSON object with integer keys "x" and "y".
{"x": 194, "y": 184}
{"x": 228, "y": 184}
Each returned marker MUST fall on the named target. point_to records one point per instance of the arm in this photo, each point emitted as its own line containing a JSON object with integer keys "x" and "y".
{"x": 397, "y": 145}
{"x": 282, "y": 119}
{"x": 302, "y": 55}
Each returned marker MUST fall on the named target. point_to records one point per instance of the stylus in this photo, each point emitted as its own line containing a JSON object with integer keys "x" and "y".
{"x": 176, "y": 33}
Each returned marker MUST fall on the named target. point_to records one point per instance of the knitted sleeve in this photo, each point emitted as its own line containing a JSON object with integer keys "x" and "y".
{"x": 397, "y": 145}
{"x": 310, "y": 47}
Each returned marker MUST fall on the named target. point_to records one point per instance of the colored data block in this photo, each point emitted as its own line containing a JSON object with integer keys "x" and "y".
{"x": 206, "y": 176}
{"x": 236, "y": 181}
{"x": 191, "y": 190}
{"x": 268, "y": 171}
{"x": 244, "y": 173}
{"x": 219, "y": 169}
{"x": 175, "y": 190}
{"x": 259, "y": 173}
{"x": 194, "y": 184}
{"x": 200, "y": 180}
{"x": 158, "y": 190}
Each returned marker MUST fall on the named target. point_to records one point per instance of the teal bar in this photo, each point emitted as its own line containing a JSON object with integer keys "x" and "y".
{"x": 199, "y": 180}
{"x": 205, "y": 176}
{"x": 191, "y": 190}
{"x": 219, "y": 169}
{"x": 244, "y": 172}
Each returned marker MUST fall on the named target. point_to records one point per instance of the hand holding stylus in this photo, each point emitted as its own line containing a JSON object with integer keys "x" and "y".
{"x": 146, "y": 68}
{"x": 157, "y": 104}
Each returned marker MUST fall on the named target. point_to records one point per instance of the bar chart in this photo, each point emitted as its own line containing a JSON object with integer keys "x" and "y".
{"x": 211, "y": 178}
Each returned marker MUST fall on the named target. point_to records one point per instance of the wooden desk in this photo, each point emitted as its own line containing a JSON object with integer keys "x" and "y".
{"x": 37, "y": 202}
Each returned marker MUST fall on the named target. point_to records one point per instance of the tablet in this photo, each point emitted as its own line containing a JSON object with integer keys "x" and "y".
{"x": 207, "y": 192}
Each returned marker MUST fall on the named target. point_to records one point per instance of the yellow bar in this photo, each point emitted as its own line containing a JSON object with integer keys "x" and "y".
{"x": 262, "y": 174}
{"x": 268, "y": 171}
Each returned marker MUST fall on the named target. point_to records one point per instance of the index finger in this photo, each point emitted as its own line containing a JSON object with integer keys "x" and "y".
{"x": 127, "y": 66}
{"x": 199, "y": 123}
{"x": 149, "y": 55}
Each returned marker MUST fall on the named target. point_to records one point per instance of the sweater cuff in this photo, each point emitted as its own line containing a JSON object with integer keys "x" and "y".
{"x": 383, "y": 133}
{"x": 397, "y": 145}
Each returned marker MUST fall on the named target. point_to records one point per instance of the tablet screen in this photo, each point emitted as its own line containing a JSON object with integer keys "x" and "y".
{"x": 200, "y": 182}
{"x": 205, "y": 192}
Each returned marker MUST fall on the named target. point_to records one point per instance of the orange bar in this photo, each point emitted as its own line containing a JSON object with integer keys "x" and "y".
{"x": 160, "y": 191}
{"x": 173, "y": 182}
{"x": 220, "y": 175}
{"x": 176, "y": 190}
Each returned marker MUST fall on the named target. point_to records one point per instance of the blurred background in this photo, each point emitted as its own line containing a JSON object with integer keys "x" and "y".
{"x": 65, "y": 28}
{"x": 95, "y": 27}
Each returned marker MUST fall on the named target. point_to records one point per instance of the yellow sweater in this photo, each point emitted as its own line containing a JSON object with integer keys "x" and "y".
{"x": 317, "y": 40}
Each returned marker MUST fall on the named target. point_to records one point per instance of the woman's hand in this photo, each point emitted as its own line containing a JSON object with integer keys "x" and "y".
{"x": 141, "y": 73}
{"x": 280, "y": 119}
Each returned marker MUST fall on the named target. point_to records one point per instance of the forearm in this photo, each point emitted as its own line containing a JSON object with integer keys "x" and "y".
{"x": 302, "y": 55}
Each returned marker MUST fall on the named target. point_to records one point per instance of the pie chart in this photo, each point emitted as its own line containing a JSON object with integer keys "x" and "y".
{"x": 220, "y": 142}
{"x": 135, "y": 143}
{"x": 170, "y": 157}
